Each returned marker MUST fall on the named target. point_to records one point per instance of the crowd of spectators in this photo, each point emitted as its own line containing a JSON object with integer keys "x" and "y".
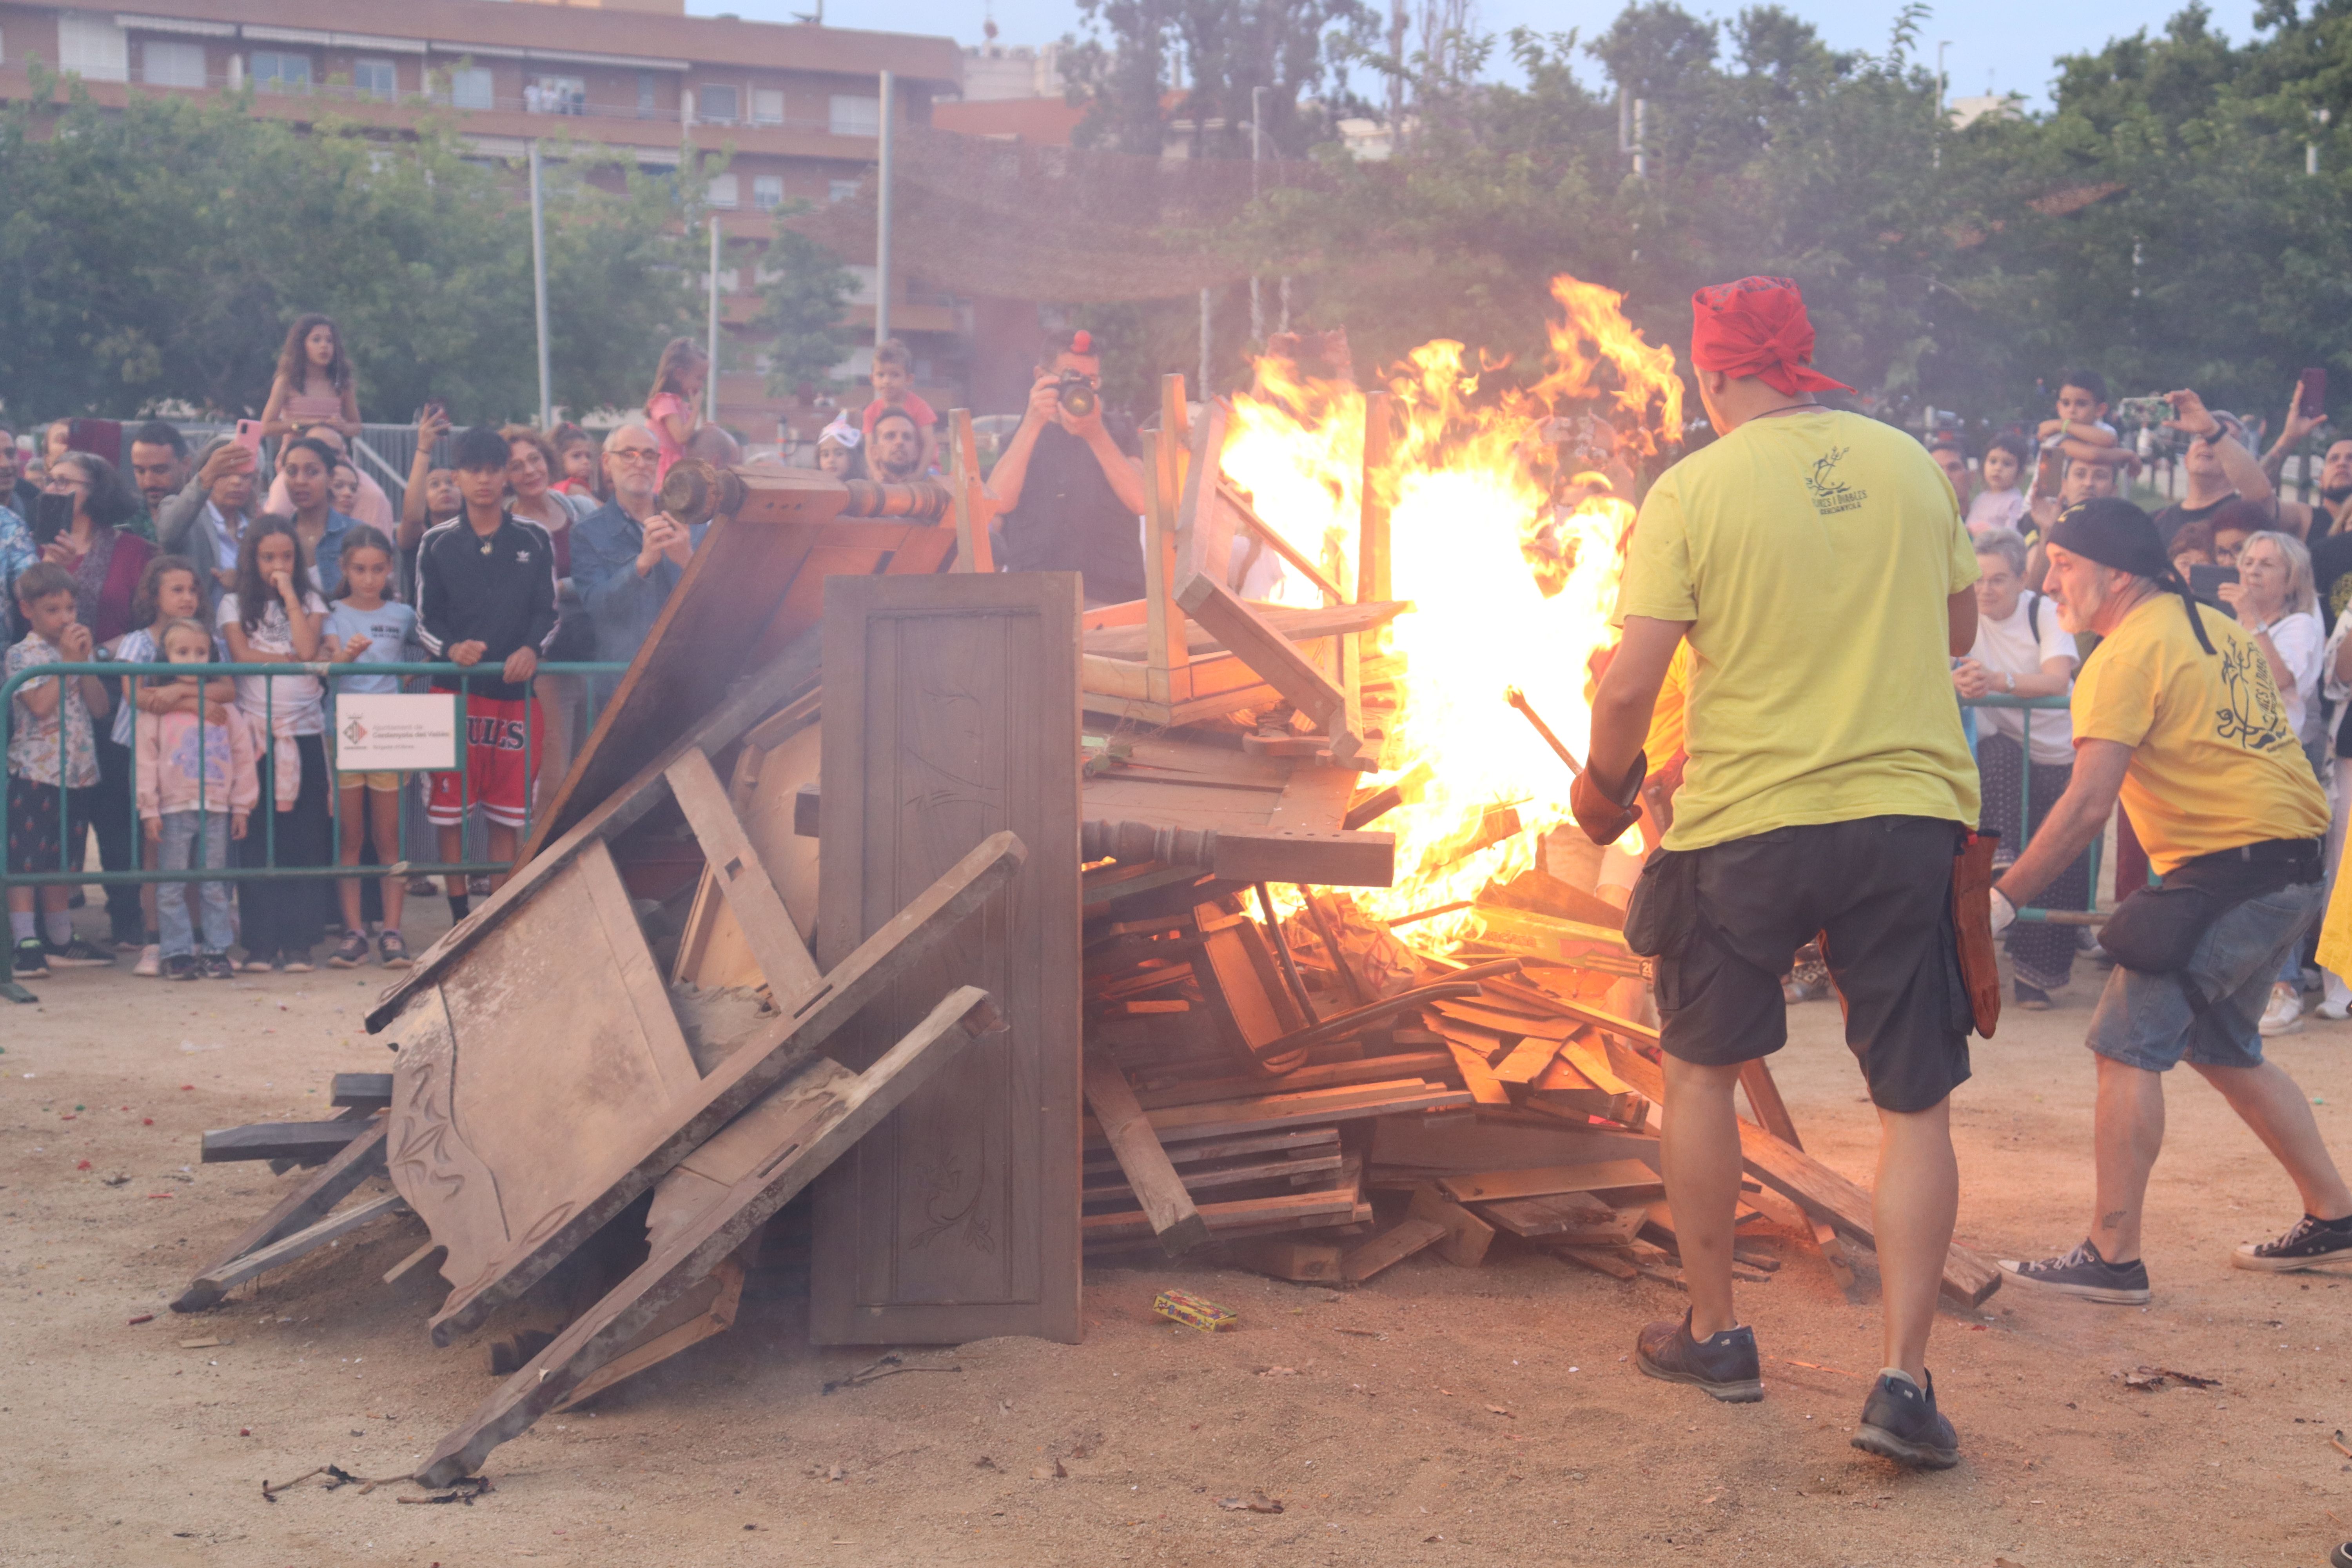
{"x": 2280, "y": 566}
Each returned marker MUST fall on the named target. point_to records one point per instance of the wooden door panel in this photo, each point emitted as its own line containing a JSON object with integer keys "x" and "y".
{"x": 951, "y": 712}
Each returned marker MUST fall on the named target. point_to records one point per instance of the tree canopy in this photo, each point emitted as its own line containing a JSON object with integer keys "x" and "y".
{"x": 155, "y": 255}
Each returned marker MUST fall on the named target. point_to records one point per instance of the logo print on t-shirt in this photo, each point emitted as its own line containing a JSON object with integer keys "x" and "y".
{"x": 1831, "y": 494}
{"x": 2253, "y": 715}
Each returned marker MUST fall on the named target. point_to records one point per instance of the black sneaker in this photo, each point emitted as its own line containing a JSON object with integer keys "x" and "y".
{"x": 80, "y": 954}
{"x": 1900, "y": 1422}
{"x": 2083, "y": 1273}
{"x": 216, "y": 967}
{"x": 32, "y": 959}
{"x": 2032, "y": 998}
{"x": 1724, "y": 1365}
{"x": 350, "y": 954}
{"x": 180, "y": 967}
{"x": 2313, "y": 1240}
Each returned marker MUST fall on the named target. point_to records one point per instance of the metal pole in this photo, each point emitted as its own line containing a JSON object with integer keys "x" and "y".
{"x": 882, "y": 221}
{"x": 1258, "y": 153}
{"x": 711, "y": 383}
{"x": 1205, "y": 345}
{"x": 538, "y": 286}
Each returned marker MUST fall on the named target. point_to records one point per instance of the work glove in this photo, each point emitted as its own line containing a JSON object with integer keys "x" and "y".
{"x": 2004, "y": 913}
{"x": 1603, "y": 813}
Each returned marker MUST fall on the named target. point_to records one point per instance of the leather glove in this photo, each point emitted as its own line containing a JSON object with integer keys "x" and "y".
{"x": 1605, "y": 814}
{"x": 2004, "y": 912}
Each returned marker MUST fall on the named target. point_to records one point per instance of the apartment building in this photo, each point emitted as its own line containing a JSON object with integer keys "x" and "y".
{"x": 798, "y": 106}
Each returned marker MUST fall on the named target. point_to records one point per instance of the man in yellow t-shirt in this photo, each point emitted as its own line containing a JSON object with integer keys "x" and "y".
{"x": 1816, "y": 565}
{"x": 2178, "y": 714}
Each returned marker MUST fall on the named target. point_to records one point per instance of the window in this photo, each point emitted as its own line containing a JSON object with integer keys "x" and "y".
{"x": 717, "y": 105}
{"x": 645, "y": 95}
{"x": 470, "y": 87}
{"x": 853, "y": 116}
{"x": 841, "y": 190}
{"x": 164, "y": 64}
{"x": 93, "y": 47}
{"x": 276, "y": 70}
{"x": 375, "y": 78}
{"x": 767, "y": 192}
{"x": 555, "y": 95}
{"x": 725, "y": 191}
{"x": 767, "y": 106}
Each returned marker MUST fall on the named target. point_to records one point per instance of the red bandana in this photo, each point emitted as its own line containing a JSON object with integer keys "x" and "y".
{"x": 1758, "y": 326}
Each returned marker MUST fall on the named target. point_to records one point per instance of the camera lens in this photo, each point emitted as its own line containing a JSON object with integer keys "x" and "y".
{"x": 1077, "y": 395}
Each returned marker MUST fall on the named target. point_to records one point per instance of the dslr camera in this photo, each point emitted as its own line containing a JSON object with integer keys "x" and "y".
{"x": 1078, "y": 394}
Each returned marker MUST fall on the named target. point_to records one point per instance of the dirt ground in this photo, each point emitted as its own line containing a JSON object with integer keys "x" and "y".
{"x": 1436, "y": 1415}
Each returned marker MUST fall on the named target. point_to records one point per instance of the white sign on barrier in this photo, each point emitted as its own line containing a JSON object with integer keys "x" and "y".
{"x": 396, "y": 732}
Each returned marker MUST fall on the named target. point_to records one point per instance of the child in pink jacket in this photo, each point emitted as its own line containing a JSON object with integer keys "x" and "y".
{"x": 196, "y": 786}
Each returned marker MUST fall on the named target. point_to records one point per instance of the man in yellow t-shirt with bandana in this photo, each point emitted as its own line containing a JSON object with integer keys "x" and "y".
{"x": 2178, "y": 714}
{"x": 1815, "y": 565}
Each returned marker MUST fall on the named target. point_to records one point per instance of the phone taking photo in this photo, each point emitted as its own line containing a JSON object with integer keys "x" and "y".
{"x": 2311, "y": 394}
{"x": 2205, "y": 582}
{"x": 52, "y": 515}
{"x": 248, "y": 435}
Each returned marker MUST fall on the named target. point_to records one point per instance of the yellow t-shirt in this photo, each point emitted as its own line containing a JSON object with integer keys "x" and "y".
{"x": 1814, "y": 554}
{"x": 2214, "y": 763}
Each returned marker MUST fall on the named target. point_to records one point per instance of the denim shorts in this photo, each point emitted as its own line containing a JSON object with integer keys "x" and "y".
{"x": 2146, "y": 1021}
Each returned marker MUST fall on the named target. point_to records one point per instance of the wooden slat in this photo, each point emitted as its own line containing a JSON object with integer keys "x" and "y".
{"x": 1150, "y": 1176}
{"x": 1373, "y": 572}
{"x": 1969, "y": 1278}
{"x": 600, "y": 1333}
{"x": 1126, "y": 644}
{"x": 1286, "y": 1208}
{"x": 1274, "y": 656}
{"x": 369, "y": 1091}
{"x": 1491, "y": 1186}
{"x": 1466, "y": 1235}
{"x": 1391, "y": 1248}
{"x": 362, "y": 1158}
{"x": 1328, "y": 1074}
{"x": 303, "y": 1143}
{"x": 972, "y": 511}
{"x": 1477, "y": 1077}
{"x": 1526, "y": 1060}
{"x": 708, "y": 1309}
{"x": 1282, "y": 1109}
{"x": 758, "y": 909}
{"x": 221, "y": 1279}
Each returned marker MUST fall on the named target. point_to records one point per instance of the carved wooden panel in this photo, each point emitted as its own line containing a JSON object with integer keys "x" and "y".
{"x": 950, "y": 711}
{"x": 500, "y": 1132}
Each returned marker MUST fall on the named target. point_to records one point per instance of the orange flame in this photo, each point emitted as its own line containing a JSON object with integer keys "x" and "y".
{"x": 1510, "y": 562}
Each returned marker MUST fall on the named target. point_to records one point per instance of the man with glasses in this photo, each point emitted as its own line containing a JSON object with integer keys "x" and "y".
{"x": 1070, "y": 499}
{"x": 628, "y": 554}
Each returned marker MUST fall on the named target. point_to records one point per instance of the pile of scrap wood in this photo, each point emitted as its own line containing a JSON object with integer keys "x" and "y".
{"x": 1013, "y": 933}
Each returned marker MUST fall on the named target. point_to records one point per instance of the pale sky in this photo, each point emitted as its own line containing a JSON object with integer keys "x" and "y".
{"x": 2009, "y": 44}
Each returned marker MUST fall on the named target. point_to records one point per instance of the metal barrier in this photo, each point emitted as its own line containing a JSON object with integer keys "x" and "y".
{"x": 132, "y": 676}
{"x": 2028, "y": 706}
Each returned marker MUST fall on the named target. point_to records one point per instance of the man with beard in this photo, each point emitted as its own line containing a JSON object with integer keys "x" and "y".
{"x": 1070, "y": 497}
{"x": 897, "y": 450}
{"x": 2310, "y": 523}
{"x": 159, "y": 463}
{"x": 2330, "y": 530}
{"x": 2178, "y": 715}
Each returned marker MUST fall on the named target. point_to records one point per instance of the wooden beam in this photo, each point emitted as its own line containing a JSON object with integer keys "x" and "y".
{"x": 1969, "y": 1279}
{"x": 1372, "y": 575}
{"x": 362, "y": 1157}
{"x": 1291, "y": 554}
{"x": 1605, "y": 1175}
{"x": 767, "y": 926}
{"x": 220, "y": 1279}
{"x": 356, "y": 1090}
{"x": 303, "y": 1143}
{"x": 1165, "y": 650}
{"x": 974, "y": 511}
{"x": 1157, "y": 1188}
{"x": 1274, "y": 656}
{"x": 599, "y": 1334}
{"x": 1390, "y": 1248}
{"x": 1204, "y": 539}
{"x": 1466, "y": 1235}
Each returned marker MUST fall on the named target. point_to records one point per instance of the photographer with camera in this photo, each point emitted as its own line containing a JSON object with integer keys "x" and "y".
{"x": 1069, "y": 496}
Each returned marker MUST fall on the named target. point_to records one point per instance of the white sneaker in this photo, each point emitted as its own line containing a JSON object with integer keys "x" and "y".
{"x": 2334, "y": 1011}
{"x": 151, "y": 961}
{"x": 2284, "y": 1014}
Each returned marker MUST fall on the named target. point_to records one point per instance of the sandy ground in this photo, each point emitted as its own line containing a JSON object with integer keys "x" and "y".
{"x": 1437, "y": 1414}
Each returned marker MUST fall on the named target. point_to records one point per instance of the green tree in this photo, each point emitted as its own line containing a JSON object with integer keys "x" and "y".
{"x": 804, "y": 319}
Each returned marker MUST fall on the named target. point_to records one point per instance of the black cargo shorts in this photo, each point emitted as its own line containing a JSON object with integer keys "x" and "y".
{"x": 1879, "y": 891}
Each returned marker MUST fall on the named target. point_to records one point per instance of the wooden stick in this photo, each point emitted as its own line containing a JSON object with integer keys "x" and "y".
{"x": 1290, "y": 553}
{"x": 362, "y": 1158}
{"x": 1149, "y": 1175}
{"x": 1518, "y": 700}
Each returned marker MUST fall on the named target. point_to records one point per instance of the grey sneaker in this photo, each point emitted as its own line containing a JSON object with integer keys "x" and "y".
{"x": 2312, "y": 1241}
{"x": 31, "y": 961}
{"x": 78, "y": 954}
{"x": 2084, "y": 1274}
{"x": 1900, "y": 1422}
{"x": 1724, "y": 1364}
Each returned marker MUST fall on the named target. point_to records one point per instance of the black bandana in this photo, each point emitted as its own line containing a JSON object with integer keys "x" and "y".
{"x": 2115, "y": 534}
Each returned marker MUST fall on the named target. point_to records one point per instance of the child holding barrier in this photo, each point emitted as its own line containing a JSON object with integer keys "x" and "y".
{"x": 168, "y": 591}
{"x": 274, "y": 619}
{"x": 366, "y": 627}
{"x": 197, "y": 787}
